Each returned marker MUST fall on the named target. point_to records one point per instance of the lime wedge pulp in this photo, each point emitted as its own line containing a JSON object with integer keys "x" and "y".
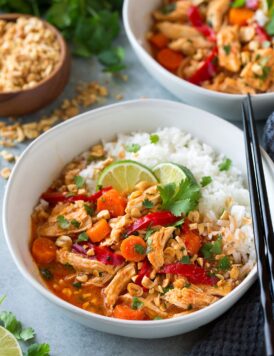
{"x": 9, "y": 346}
{"x": 172, "y": 173}
{"x": 124, "y": 175}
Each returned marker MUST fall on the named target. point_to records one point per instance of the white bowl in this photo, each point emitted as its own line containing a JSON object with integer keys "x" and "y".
{"x": 137, "y": 21}
{"x": 43, "y": 159}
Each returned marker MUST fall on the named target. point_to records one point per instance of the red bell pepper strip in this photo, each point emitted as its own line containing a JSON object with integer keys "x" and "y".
{"x": 262, "y": 34}
{"x": 196, "y": 20}
{"x": 153, "y": 219}
{"x": 195, "y": 274}
{"x": 101, "y": 253}
{"x": 144, "y": 271}
{"x": 207, "y": 70}
{"x": 252, "y": 4}
{"x": 105, "y": 255}
{"x": 56, "y": 197}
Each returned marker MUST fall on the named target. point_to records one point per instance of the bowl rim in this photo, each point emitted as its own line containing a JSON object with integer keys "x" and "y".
{"x": 178, "y": 81}
{"x": 64, "y": 51}
{"x": 87, "y": 116}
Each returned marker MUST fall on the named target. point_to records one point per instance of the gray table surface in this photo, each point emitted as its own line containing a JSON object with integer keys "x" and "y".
{"x": 65, "y": 336}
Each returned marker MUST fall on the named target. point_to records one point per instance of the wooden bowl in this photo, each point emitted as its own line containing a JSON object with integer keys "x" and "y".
{"x": 22, "y": 102}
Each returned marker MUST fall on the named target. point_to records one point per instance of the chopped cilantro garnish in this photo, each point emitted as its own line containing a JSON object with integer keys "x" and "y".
{"x": 134, "y": 147}
{"x": 147, "y": 204}
{"x": 149, "y": 232}
{"x": 75, "y": 223}
{"x": 225, "y": 165}
{"x": 79, "y": 181}
{"x": 136, "y": 303}
{"x": 178, "y": 223}
{"x": 158, "y": 318}
{"x": 89, "y": 210}
{"x": 46, "y": 274}
{"x": 185, "y": 260}
{"x": 238, "y": 3}
{"x": 168, "y": 288}
{"x": 217, "y": 246}
{"x": 227, "y": 49}
{"x": 82, "y": 237}
{"x": 266, "y": 70}
{"x": 139, "y": 249}
{"x": 212, "y": 248}
{"x": 180, "y": 199}
{"x": 69, "y": 194}
{"x": 168, "y": 8}
{"x": 154, "y": 138}
{"x": 224, "y": 263}
{"x": 206, "y": 180}
{"x": 77, "y": 285}
{"x": 63, "y": 222}
{"x": 187, "y": 285}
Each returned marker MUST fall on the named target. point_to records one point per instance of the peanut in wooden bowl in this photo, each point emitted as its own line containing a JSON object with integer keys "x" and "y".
{"x": 25, "y": 101}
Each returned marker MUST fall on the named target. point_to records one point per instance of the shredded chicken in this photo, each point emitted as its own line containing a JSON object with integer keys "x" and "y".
{"x": 176, "y": 31}
{"x": 118, "y": 284}
{"x": 190, "y": 46}
{"x": 186, "y": 297}
{"x": 229, "y": 48}
{"x": 157, "y": 243}
{"x": 215, "y": 12}
{"x": 70, "y": 212}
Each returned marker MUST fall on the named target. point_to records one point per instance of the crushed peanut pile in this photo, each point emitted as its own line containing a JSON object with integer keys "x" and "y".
{"x": 87, "y": 94}
{"x": 29, "y": 53}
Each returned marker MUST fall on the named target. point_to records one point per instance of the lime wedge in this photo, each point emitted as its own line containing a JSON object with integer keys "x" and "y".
{"x": 124, "y": 175}
{"x": 9, "y": 346}
{"x": 172, "y": 173}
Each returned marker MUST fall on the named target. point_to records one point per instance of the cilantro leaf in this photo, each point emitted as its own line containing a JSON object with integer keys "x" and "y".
{"x": 139, "y": 249}
{"x": 38, "y": 350}
{"x": 168, "y": 288}
{"x": 225, "y": 165}
{"x": 63, "y": 222}
{"x": 75, "y": 223}
{"x": 181, "y": 199}
{"x": 168, "y": 8}
{"x": 270, "y": 25}
{"x": 136, "y": 303}
{"x": 27, "y": 334}
{"x": 185, "y": 260}
{"x": 178, "y": 223}
{"x": 147, "y": 204}
{"x": 79, "y": 181}
{"x": 158, "y": 318}
{"x": 154, "y": 138}
{"x": 224, "y": 263}
{"x": 238, "y": 3}
{"x": 149, "y": 232}
{"x": 112, "y": 59}
{"x": 206, "y": 180}
{"x": 212, "y": 248}
{"x": 77, "y": 285}
{"x": 82, "y": 237}
{"x": 227, "y": 49}
{"x": 89, "y": 210}
{"x": 9, "y": 321}
{"x": 134, "y": 147}
{"x": 46, "y": 274}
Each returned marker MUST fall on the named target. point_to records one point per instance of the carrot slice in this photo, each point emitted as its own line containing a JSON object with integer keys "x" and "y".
{"x": 123, "y": 311}
{"x": 192, "y": 242}
{"x": 133, "y": 248}
{"x": 112, "y": 201}
{"x": 239, "y": 16}
{"x": 169, "y": 58}
{"x": 99, "y": 231}
{"x": 43, "y": 250}
{"x": 159, "y": 40}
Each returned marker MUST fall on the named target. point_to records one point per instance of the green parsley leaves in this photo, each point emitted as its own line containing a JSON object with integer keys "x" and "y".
{"x": 227, "y": 49}
{"x": 185, "y": 260}
{"x": 82, "y": 237}
{"x": 147, "y": 204}
{"x": 75, "y": 223}
{"x": 139, "y": 249}
{"x": 63, "y": 222}
{"x": 154, "y": 138}
{"x": 79, "y": 181}
{"x": 225, "y": 165}
{"x": 212, "y": 248}
{"x": 180, "y": 199}
{"x": 224, "y": 263}
{"x": 133, "y": 148}
{"x": 136, "y": 303}
{"x": 206, "y": 180}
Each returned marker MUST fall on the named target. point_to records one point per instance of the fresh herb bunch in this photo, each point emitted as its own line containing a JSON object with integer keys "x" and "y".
{"x": 90, "y": 26}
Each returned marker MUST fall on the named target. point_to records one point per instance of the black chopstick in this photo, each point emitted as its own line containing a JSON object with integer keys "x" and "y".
{"x": 259, "y": 234}
{"x": 268, "y": 227}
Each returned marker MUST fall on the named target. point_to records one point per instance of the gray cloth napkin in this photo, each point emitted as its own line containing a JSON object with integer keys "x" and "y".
{"x": 238, "y": 332}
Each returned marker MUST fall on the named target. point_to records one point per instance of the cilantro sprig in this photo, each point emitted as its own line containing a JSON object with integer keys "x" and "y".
{"x": 180, "y": 199}
{"x": 91, "y": 26}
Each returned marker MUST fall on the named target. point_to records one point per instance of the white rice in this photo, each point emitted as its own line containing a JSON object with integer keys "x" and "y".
{"x": 179, "y": 147}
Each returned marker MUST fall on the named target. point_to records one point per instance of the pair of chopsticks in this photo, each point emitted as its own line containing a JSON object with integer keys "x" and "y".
{"x": 262, "y": 224}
